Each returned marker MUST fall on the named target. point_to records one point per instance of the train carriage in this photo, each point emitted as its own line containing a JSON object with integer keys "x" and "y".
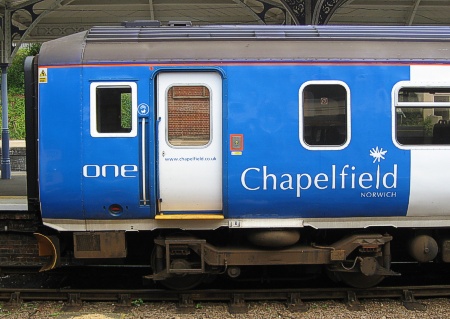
{"x": 230, "y": 146}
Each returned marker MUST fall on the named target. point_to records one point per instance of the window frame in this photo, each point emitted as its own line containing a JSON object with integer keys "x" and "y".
{"x": 348, "y": 116}
{"x": 93, "y": 109}
{"x": 396, "y": 104}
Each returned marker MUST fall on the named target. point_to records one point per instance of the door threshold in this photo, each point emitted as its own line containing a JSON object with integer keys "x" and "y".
{"x": 189, "y": 216}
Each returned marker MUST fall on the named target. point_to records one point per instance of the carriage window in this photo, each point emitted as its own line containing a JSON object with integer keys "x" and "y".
{"x": 324, "y": 110}
{"x": 422, "y": 116}
{"x": 189, "y": 115}
{"x": 112, "y": 106}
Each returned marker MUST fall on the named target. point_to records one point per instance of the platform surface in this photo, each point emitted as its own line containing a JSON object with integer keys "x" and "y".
{"x": 13, "y": 192}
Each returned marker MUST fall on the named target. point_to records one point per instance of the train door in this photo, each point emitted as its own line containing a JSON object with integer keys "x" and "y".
{"x": 111, "y": 169}
{"x": 189, "y": 127}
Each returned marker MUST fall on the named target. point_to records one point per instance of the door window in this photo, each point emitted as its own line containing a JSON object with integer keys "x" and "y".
{"x": 189, "y": 116}
{"x": 113, "y": 109}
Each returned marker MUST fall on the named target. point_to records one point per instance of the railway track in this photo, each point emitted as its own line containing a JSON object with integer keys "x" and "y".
{"x": 295, "y": 299}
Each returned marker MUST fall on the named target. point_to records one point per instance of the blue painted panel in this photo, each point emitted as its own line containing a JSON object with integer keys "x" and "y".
{"x": 274, "y": 177}
{"x": 277, "y": 177}
{"x": 60, "y": 144}
{"x": 66, "y": 146}
{"x": 121, "y": 153}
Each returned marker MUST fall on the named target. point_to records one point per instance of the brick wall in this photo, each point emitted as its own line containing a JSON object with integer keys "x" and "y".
{"x": 18, "y": 158}
{"x": 189, "y": 112}
{"x": 19, "y": 250}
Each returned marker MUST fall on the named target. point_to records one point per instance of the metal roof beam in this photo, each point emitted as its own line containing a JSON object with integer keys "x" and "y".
{"x": 56, "y": 5}
{"x": 255, "y": 15}
{"x": 324, "y": 9}
{"x": 412, "y": 13}
{"x": 152, "y": 9}
{"x": 24, "y": 4}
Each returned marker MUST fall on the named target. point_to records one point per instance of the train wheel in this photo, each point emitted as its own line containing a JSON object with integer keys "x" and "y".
{"x": 177, "y": 281}
{"x": 366, "y": 277}
{"x": 359, "y": 280}
{"x": 182, "y": 282}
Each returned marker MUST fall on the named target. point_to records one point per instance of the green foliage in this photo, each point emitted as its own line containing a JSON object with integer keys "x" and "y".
{"x": 16, "y": 115}
{"x": 126, "y": 110}
{"x": 198, "y": 306}
{"x": 16, "y": 88}
{"x": 413, "y": 116}
{"x": 428, "y": 126}
{"x": 15, "y": 70}
{"x": 137, "y": 302}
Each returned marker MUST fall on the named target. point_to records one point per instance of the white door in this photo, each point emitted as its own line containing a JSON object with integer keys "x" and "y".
{"x": 190, "y": 142}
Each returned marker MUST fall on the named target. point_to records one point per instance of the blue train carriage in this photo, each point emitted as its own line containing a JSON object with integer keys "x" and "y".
{"x": 212, "y": 149}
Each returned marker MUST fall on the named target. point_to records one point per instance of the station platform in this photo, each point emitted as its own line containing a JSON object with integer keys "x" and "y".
{"x": 13, "y": 192}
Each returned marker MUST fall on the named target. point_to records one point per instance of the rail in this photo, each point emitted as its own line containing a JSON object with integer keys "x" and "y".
{"x": 236, "y": 298}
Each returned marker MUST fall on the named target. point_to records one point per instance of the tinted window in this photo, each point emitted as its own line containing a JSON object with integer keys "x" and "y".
{"x": 324, "y": 114}
{"x": 422, "y": 116}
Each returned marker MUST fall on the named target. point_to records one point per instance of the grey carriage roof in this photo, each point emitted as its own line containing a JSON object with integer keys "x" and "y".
{"x": 248, "y": 43}
{"x": 245, "y": 32}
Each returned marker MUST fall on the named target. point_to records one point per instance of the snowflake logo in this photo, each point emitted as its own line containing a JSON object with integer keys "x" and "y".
{"x": 377, "y": 154}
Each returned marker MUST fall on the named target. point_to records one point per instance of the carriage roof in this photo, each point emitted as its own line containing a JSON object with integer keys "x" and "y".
{"x": 221, "y": 44}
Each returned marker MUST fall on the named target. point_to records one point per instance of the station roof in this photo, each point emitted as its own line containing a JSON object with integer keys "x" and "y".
{"x": 42, "y": 20}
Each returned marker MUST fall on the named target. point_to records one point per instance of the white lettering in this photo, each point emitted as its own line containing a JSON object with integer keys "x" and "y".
{"x": 353, "y": 177}
{"x": 261, "y": 179}
{"x": 333, "y": 176}
{"x": 286, "y": 184}
{"x": 115, "y": 167}
{"x": 266, "y": 176}
{"x": 88, "y": 168}
{"x": 367, "y": 179}
{"x": 126, "y": 170}
{"x": 378, "y": 177}
{"x": 379, "y": 194}
{"x": 321, "y": 177}
{"x": 109, "y": 170}
{"x": 243, "y": 176}
{"x": 343, "y": 176}
{"x": 299, "y": 183}
{"x": 394, "y": 178}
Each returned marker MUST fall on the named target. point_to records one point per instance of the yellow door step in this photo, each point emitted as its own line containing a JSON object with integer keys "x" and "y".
{"x": 189, "y": 216}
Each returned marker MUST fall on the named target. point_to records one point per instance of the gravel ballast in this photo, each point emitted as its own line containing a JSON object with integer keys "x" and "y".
{"x": 373, "y": 309}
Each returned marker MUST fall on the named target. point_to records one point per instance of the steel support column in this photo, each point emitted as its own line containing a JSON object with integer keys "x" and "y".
{"x": 6, "y": 161}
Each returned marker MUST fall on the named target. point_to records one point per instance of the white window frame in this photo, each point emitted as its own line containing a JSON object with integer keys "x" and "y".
{"x": 349, "y": 131}
{"x": 93, "y": 108}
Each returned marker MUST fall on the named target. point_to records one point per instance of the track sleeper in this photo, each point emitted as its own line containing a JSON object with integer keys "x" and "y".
{"x": 353, "y": 303}
{"x": 410, "y": 303}
{"x": 14, "y": 301}
{"x": 185, "y": 304}
{"x": 73, "y": 303}
{"x": 237, "y": 304}
{"x": 123, "y": 303}
{"x": 295, "y": 304}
